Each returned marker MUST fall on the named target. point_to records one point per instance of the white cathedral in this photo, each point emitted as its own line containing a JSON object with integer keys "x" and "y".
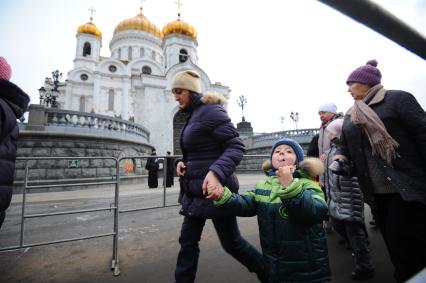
{"x": 134, "y": 83}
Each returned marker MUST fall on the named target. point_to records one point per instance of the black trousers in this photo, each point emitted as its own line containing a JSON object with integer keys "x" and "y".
{"x": 356, "y": 235}
{"x": 230, "y": 239}
{"x": 403, "y": 225}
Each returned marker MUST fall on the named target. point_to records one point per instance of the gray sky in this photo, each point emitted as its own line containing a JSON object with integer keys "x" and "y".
{"x": 282, "y": 55}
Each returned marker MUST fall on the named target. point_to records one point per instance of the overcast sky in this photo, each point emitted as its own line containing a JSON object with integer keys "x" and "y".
{"x": 282, "y": 55}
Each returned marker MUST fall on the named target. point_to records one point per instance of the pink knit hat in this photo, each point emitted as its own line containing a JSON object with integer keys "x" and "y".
{"x": 367, "y": 74}
{"x": 5, "y": 69}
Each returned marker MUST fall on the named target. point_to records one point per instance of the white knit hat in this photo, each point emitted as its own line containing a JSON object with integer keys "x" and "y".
{"x": 328, "y": 107}
{"x": 189, "y": 80}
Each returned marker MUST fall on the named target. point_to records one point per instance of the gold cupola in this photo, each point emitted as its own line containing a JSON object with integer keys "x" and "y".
{"x": 139, "y": 22}
{"x": 179, "y": 27}
{"x": 90, "y": 28}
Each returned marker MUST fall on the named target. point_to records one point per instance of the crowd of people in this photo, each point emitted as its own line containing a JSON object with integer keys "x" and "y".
{"x": 373, "y": 154}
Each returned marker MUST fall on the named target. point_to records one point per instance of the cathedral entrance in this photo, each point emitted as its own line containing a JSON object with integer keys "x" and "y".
{"x": 179, "y": 121}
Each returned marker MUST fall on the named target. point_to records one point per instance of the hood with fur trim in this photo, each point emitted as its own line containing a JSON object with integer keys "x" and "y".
{"x": 310, "y": 166}
{"x": 214, "y": 98}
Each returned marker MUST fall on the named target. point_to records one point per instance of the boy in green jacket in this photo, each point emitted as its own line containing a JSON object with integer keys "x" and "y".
{"x": 290, "y": 208}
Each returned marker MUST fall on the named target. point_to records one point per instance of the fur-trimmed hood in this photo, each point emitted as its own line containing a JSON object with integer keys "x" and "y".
{"x": 311, "y": 166}
{"x": 214, "y": 98}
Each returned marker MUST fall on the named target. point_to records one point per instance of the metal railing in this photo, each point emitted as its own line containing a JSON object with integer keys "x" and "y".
{"x": 114, "y": 206}
{"x": 115, "y": 180}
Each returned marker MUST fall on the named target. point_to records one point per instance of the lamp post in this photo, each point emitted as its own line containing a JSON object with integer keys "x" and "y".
{"x": 49, "y": 91}
{"x": 282, "y": 118}
{"x": 241, "y": 102}
{"x": 295, "y": 117}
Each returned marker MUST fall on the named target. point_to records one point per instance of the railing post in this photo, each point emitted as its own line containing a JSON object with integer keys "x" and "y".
{"x": 114, "y": 264}
{"x": 24, "y": 195}
{"x": 164, "y": 180}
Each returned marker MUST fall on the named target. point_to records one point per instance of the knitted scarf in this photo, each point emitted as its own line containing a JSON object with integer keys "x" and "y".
{"x": 382, "y": 144}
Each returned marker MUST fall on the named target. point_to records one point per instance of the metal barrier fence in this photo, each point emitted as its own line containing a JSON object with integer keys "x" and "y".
{"x": 115, "y": 180}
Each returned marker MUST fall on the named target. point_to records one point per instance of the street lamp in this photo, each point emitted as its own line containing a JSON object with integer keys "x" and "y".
{"x": 241, "y": 102}
{"x": 49, "y": 91}
{"x": 282, "y": 118}
{"x": 295, "y": 117}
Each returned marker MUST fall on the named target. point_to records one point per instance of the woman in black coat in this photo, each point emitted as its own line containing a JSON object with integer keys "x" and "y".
{"x": 384, "y": 137}
{"x": 13, "y": 104}
{"x": 211, "y": 150}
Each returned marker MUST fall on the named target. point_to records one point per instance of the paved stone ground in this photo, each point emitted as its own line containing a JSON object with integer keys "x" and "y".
{"x": 148, "y": 246}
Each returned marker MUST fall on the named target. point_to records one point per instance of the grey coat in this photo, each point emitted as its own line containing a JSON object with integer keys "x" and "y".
{"x": 345, "y": 200}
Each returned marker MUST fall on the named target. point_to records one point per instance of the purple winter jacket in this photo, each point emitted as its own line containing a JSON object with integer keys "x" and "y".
{"x": 209, "y": 142}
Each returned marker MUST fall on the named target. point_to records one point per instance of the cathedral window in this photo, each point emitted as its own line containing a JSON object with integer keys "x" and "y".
{"x": 183, "y": 55}
{"x": 130, "y": 53}
{"x": 87, "y": 49}
{"x": 142, "y": 52}
{"x": 112, "y": 68}
{"x": 84, "y": 77}
{"x": 153, "y": 55}
{"x": 82, "y": 104}
{"x": 119, "y": 53}
{"x": 146, "y": 70}
{"x": 110, "y": 100}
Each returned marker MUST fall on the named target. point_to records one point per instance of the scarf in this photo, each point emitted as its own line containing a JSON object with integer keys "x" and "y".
{"x": 382, "y": 144}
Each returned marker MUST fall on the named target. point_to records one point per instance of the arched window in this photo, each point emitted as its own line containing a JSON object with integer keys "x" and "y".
{"x": 183, "y": 55}
{"x": 146, "y": 70}
{"x": 87, "y": 49}
{"x": 119, "y": 53}
{"x": 130, "y": 53}
{"x": 82, "y": 104}
{"x": 110, "y": 100}
{"x": 142, "y": 52}
{"x": 153, "y": 55}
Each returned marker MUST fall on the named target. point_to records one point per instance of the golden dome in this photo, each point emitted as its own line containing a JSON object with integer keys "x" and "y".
{"x": 139, "y": 22}
{"x": 179, "y": 27}
{"x": 90, "y": 28}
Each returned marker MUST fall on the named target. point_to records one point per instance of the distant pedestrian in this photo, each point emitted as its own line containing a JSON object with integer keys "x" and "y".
{"x": 13, "y": 104}
{"x": 384, "y": 137}
{"x": 346, "y": 206}
{"x": 313, "y": 150}
{"x": 152, "y": 165}
{"x": 327, "y": 113}
{"x": 170, "y": 170}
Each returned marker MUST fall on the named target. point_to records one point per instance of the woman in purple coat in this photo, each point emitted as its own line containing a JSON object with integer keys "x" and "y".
{"x": 211, "y": 150}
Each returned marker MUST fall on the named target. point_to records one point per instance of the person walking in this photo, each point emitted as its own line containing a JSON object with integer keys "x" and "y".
{"x": 211, "y": 150}
{"x": 152, "y": 165}
{"x": 327, "y": 113}
{"x": 346, "y": 206}
{"x": 13, "y": 104}
{"x": 290, "y": 208}
{"x": 384, "y": 137}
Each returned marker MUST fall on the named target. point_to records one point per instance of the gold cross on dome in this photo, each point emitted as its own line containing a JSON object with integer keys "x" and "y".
{"x": 179, "y": 6}
{"x": 92, "y": 11}
{"x": 142, "y": 4}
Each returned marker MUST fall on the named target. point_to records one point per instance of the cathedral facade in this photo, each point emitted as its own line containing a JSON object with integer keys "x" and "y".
{"x": 134, "y": 83}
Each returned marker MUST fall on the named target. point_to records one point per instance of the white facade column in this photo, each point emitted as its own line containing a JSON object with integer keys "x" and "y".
{"x": 125, "y": 99}
{"x": 96, "y": 93}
